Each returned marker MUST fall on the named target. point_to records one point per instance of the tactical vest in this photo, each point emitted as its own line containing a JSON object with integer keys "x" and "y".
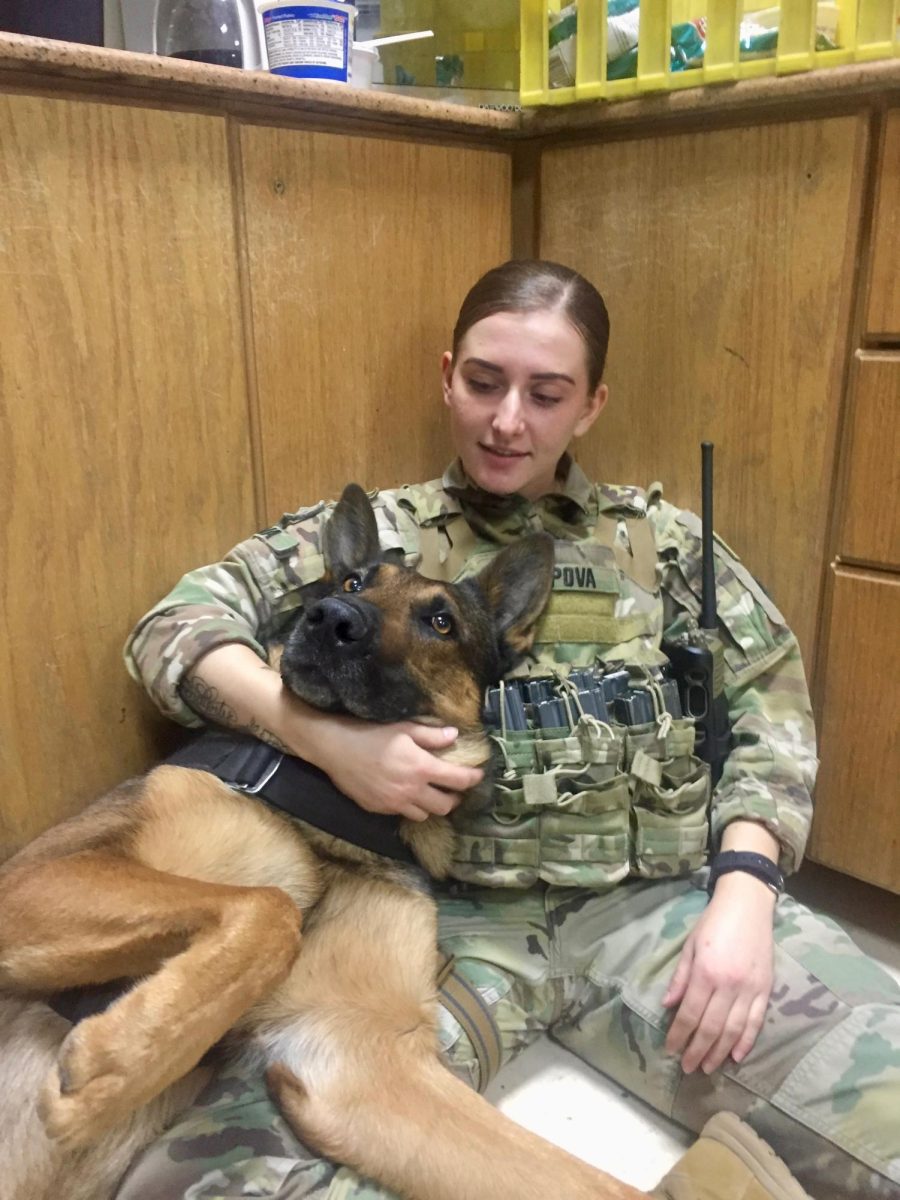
{"x": 592, "y": 801}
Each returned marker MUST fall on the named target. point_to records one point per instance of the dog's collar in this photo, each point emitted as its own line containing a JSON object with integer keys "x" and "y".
{"x": 293, "y": 786}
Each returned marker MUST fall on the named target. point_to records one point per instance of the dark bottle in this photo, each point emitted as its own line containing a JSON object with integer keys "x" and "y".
{"x": 220, "y": 58}
{"x": 221, "y": 32}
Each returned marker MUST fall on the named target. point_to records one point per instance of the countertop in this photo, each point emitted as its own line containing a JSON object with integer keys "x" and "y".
{"x": 27, "y": 62}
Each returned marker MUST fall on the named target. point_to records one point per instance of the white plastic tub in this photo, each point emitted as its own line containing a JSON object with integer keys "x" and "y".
{"x": 309, "y": 41}
{"x": 366, "y": 66}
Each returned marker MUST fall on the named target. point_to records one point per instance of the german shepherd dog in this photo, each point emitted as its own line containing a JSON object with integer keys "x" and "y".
{"x": 197, "y": 894}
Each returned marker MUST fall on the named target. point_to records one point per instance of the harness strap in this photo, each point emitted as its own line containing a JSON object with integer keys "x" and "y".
{"x": 294, "y": 786}
{"x": 465, "y": 1004}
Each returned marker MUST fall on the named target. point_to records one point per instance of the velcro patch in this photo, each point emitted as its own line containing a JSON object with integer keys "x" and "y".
{"x": 584, "y": 577}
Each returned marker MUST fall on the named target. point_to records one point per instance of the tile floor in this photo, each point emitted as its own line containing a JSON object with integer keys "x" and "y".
{"x": 550, "y": 1091}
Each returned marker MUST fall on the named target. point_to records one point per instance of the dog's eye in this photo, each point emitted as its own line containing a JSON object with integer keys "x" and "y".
{"x": 353, "y": 583}
{"x": 442, "y": 624}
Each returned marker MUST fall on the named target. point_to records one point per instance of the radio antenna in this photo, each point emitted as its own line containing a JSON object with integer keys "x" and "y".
{"x": 708, "y": 594}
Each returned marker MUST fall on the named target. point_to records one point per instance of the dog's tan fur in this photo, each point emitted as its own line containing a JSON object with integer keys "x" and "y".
{"x": 199, "y": 893}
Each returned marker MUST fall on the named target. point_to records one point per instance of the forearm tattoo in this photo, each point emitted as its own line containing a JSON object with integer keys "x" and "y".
{"x": 206, "y": 702}
{"x": 265, "y": 735}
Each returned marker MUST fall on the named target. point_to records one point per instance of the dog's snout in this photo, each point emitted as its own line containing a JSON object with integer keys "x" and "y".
{"x": 345, "y": 625}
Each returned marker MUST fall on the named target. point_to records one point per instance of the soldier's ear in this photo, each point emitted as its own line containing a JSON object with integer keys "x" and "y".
{"x": 350, "y": 539}
{"x": 516, "y": 585}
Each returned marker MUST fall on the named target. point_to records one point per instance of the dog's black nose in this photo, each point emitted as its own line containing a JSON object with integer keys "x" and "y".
{"x": 345, "y": 625}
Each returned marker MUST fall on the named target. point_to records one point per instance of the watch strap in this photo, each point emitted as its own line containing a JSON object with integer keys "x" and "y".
{"x": 758, "y": 865}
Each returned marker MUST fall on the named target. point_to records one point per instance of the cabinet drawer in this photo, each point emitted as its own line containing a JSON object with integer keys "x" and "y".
{"x": 857, "y": 822}
{"x": 883, "y": 315}
{"x": 870, "y": 522}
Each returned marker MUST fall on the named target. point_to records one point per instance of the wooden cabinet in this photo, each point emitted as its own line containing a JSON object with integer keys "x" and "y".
{"x": 124, "y": 456}
{"x": 883, "y": 311}
{"x": 724, "y": 258}
{"x": 360, "y": 251}
{"x": 870, "y": 525}
{"x": 202, "y": 327}
{"x": 857, "y": 822}
{"x": 222, "y": 299}
{"x": 857, "y": 826}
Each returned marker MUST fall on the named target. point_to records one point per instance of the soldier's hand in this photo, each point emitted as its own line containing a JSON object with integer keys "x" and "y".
{"x": 392, "y": 768}
{"x": 723, "y": 980}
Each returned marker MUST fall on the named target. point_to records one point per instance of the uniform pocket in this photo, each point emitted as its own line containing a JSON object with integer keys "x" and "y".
{"x": 671, "y": 820}
{"x": 678, "y": 741}
{"x": 585, "y": 838}
{"x": 497, "y": 853}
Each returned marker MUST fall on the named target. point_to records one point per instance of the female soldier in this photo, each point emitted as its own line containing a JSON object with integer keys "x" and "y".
{"x": 741, "y": 1000}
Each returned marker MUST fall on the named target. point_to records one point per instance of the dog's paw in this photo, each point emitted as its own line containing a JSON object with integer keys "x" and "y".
{"x": 77, "y": 1119}
{"x": 87, "y": 1092}
{"x": 87, "y": 1054}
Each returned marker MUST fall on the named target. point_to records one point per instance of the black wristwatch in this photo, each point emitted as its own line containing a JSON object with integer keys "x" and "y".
{"x": 757, "y": 865}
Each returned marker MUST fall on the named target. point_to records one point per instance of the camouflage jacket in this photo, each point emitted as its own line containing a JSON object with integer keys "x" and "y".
{"x": 253, "y": 592}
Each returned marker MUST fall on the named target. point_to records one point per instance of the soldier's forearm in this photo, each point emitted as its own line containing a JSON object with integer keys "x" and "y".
{"x": 233, "y": 687}
{"x": 751, "y": 836}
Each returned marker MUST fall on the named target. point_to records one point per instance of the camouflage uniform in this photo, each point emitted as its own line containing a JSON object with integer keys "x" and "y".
{"x": 588, "y": 964}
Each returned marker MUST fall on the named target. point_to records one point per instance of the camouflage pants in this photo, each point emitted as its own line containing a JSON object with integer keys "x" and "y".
{"x": 822, "y": 1084}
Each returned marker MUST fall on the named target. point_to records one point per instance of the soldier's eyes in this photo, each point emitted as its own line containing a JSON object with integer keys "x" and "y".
{"x": 353, "y": 583}
{"x": 441, "y": 623}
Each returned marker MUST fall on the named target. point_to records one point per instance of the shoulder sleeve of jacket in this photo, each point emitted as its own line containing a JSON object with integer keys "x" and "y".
{"x": 398, "y": 524}
{"x": 770, "y": 772}
{"x": 247, "y": 598}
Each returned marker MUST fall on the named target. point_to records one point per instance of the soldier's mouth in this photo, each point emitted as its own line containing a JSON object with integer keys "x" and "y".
{"x": 500, "y": 452}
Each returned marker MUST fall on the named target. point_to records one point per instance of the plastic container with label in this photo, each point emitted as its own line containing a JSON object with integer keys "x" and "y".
{"x": 309, "y": 41}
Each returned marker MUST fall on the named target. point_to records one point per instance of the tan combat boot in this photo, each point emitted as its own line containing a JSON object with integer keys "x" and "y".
{"x": 729, "y": 1161}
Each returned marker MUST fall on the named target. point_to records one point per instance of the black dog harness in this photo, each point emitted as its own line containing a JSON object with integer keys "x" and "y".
{"x": 301, "y": 790}
{"x": 293, "y": 786}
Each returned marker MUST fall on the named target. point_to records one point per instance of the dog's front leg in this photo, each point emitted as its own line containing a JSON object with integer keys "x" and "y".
{"x": 209, "y": 952}
{"x": 352, "y": 1036}
{"x": 403, "y": 1119}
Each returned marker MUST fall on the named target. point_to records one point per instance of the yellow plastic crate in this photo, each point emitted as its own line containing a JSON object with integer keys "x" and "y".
{"x": 866, "y": 29}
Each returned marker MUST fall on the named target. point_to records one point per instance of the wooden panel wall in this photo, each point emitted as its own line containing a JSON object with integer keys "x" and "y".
{"x": 726, "y": 259}
{"x": 123, "y": 430}
{"x": 883, "y": 314}
{"x": 869, "y": 530}
{"x": 147, "y": 346}
{"x": 149, "y": 415}
{"x": 856, "y": 827}
{"x": 360, "y": 251}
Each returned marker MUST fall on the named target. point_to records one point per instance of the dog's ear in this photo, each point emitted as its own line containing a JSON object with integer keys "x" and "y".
{"x": 350, "y": 539}
{"x": 516, "y": 585}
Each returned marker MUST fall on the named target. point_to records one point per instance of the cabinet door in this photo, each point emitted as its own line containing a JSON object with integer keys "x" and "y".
{"x": 726, "y": 260}
{"x": 870, "y": 529}
{"x": 883, "y": 318}
{"x": 123, "y": 430}
{"x": 360, "y": 251}
{"x": 857, "y": 822}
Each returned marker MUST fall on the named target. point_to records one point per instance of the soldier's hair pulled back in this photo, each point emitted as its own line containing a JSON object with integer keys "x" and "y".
{"x": 534, "y": 285}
